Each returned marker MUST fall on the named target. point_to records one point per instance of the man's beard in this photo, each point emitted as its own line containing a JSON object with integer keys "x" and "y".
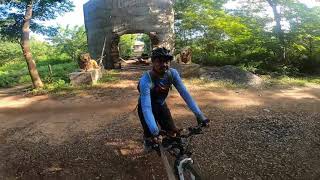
{"x": 163, "y": 70}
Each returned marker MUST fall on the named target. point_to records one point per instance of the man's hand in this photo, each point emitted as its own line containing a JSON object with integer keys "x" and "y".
{"x": 205, "y": 123}
{"x": 157, "y": 139}
{"x": 202, "y": 120}
{"x": 174, "y": 133}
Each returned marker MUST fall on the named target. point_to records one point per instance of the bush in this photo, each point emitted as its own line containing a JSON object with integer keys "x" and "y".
{"x": 215, "y": 59}
{"x": 16, "y": 72}
{"x": 10, "y": 51}
{"x": 308, "y": 65}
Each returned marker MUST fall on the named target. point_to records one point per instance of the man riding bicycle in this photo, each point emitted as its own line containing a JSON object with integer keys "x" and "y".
{"x": 154, "y": 87}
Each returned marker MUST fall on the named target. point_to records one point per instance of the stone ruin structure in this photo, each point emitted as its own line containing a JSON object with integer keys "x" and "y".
{"x": 107, "y": 20}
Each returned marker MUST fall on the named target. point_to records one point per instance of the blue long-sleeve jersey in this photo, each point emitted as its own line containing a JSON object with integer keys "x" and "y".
{"x": 156, "y": 91}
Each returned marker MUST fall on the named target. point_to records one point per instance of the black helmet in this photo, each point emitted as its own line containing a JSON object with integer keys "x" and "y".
{"x": 161, "y": 53}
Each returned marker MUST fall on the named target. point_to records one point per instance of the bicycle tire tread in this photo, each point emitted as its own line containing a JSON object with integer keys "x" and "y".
{"x": 190, "y": 168}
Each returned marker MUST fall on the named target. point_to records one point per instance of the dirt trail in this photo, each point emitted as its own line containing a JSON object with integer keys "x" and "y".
{"x": 255, "y": 134}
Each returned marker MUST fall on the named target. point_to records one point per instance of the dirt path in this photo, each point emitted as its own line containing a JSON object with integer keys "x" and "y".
{"x": 255, "y": 134}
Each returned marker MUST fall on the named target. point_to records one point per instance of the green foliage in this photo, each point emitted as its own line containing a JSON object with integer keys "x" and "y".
{"x": 12, "y": 19}
{"x": 207, "y": 84}
{"x": 147, "y": 44}
{"x": 126, "y": 45}
{"x": 9, "y": 51}
{"x": 14, "y": 70}
{"x": 71, "y": 41}
{"x": 41, "y": 50}
{"x": 57, "y": 87}
{"x": 215, "y": 36}
{"x": 13, "y": 73}
{"x": 12, "y": 14}
{"x": 288, "y": 81}
{"x": 243, "y": 37}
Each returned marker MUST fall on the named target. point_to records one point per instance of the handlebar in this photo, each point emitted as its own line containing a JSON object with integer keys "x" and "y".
{"x": 180, "y": 137}
{"x": 194, "y": 131}
{"x": 190, "y": 132}
{"x": 178, "y": 145}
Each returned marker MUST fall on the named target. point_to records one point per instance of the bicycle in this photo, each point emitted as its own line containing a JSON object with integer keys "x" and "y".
{"x": 179, "y": 148}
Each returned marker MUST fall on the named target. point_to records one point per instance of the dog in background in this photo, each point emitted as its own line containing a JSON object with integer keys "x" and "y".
{"x": 86, "y": 63}
{"x": 185, "y": 56}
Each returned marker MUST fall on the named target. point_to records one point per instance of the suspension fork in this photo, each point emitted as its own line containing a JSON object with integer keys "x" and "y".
{"x": 180, "y": 167}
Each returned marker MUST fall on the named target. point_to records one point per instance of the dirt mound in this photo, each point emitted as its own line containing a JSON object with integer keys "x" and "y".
{"x": 232, "y": 74}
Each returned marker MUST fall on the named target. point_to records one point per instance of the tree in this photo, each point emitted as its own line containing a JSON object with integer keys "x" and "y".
{"x": 19, "y": 16}
{"x": 147, "y": 44}
{"x": 246, "y": 35}
{"x": 71, "y": 40}
{"x": 126, "y": 45}
{"x": 274, "y": 4}
{"x": 213, "y": 34}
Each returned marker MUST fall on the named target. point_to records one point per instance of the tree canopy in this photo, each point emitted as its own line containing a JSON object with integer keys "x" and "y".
{"x": 19, "y": 16}
{"x": 263, "y": 34}
{"x": 71, "y": 40}
{"x": 12, "y": 14}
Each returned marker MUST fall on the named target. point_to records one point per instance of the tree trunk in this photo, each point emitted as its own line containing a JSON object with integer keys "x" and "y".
{"x": 25, "y": 44}
{"x": 278, "y": 30}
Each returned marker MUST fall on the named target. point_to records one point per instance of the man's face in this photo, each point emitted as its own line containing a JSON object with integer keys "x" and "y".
{"x": 161, "y": 65}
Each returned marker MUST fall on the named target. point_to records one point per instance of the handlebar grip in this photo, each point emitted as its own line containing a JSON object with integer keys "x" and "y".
{"x": 195, "y": 130}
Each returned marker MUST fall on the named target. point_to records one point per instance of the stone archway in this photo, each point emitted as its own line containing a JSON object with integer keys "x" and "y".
{"x": 109, "y": 19}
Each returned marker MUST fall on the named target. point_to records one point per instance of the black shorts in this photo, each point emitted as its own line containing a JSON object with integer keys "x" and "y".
{"x": 161, "y": 115}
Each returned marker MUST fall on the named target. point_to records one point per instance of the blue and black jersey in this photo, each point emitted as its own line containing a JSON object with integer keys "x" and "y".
{"x": 155, "y": 91}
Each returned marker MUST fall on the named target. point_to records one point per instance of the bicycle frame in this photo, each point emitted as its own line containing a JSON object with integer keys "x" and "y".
{"x": 183, "y": 158}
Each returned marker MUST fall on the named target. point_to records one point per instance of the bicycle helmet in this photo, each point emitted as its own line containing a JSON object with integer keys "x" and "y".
{"x": 161, "y": 53}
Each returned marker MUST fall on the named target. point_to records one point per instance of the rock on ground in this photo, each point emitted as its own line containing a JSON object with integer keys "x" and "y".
{"x": 85, "y": 78}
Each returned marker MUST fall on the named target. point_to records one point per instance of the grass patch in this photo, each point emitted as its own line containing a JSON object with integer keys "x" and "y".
{"x": 61, "y": 87}
{"x": 268, "y": 82}
{"x": 16, "y": 72}
{"x": 110, "y": 76}
{"x": 286, "y": 81}
{"x": 208, "y": 84}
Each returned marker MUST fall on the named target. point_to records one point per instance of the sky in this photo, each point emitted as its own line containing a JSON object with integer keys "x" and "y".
{"x": 72, "y": 18}
{"x": 76, "y": 17}
{"x": 309, "y": 3}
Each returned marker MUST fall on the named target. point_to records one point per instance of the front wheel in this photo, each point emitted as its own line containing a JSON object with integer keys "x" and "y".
{"x": 186, "y": 171}
{"x": 190, "y": 173}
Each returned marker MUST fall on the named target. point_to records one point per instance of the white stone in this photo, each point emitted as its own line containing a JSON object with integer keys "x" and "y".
{"x": 90, "y": 77}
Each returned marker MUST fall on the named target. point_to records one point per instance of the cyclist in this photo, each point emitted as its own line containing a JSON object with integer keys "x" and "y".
{"x": 154, "y": 86}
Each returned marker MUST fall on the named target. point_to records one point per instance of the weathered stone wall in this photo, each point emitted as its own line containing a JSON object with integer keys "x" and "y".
{"x": 112, "y": 18}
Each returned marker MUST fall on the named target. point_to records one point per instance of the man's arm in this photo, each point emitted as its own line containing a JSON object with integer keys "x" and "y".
{"x": 177, "y": 82}
{"x": 146, "y": 105}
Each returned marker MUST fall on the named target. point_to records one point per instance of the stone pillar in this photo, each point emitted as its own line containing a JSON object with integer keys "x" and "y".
{"x": 115, "y": 56}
